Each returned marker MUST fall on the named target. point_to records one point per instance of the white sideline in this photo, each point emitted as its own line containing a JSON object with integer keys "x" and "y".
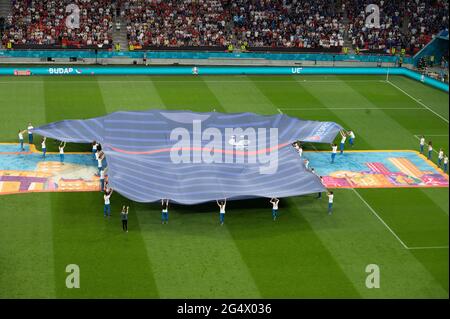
{"x": 206, "y": 80}
{"x": 392, "y": 232}
{"x": 429, "y": 247}
{"x": 379, "y": 218}
{"x": 356, "y": 192}
{"x": 418, "y": 101}
{"x": 417, "y": 135}
{"x": 349, "y": 108}
{"x": 434, "y": 150}
{"x": 336, "y": 81}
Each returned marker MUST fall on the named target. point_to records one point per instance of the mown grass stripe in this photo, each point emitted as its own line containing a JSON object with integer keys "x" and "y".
{"x": 193, "y": 256}
{"x": 129, "y": 95}
{"x": 113, "y": 264}
{"x": 26, "y": 249}
{"x": 279, "y": 258}
{"x": 214, "y": 265}
{"x": 77, "y": 217}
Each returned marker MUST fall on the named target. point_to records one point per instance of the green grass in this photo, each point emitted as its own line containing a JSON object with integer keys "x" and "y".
{"x": 305, "y": 254}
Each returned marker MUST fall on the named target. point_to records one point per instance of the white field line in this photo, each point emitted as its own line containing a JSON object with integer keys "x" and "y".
{"x": 313, "y": 146}
{"x": 379, "y": 218}
{"x": 349, "y": 108}
{"x": 206, "y": 80}
{"x": 336, "y": 81}
{"x": 418, "y": 101}
{"x": 434, "y": 150}
{"x": 429, "y": 247}
{"x": 390, "y": 229}
{"x": 417, "y": 136}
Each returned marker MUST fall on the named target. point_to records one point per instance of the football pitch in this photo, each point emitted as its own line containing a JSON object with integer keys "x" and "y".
{"x": 304, "y": 254}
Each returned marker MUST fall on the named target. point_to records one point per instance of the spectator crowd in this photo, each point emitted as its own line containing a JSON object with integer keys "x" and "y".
{"x": 319, "y": 24}
{"x": 176, "y": 22}
{"x": 44, "y": 22}
{"x": 288, "y": 23}
{"x": 404, "y": 24}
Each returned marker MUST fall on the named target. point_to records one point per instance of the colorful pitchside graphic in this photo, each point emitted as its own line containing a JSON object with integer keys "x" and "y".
{"x": 28, "y": 172}
{"x": 377, "y": 169}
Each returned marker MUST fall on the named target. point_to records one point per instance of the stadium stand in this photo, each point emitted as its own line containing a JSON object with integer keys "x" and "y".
{"x": 42, "y": 23}
{"x": 173, "y": 23}
{"x": 388, "y": 35}
{"x": 403, "y": 24}
{"x": 425, "y": 19}
{"x": 301, "y": 24}
{"x": 289, "y": 25}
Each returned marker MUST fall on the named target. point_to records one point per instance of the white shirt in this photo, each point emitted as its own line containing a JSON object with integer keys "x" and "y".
{"x": 441, "y": 155}
{"x": 300, "y": 151}
{"x": 343, "y": 139}
{"x": 334, "y": 149}
{"x": 96, "y": 156}
{"x": 422, "y": 141}
{"x": 99, "y": 163}
{"x": 106, "y": 197}
{"x": 352, "y": 135}
{"x": 275, "y": 205}
{"x": 20, "y": 136}
{"x": 330, "y": 198}
{"x": 222, "y": 210}
{"x": 61, "y": 150}
{"x": 102, "y": 174}
{"x": 446, "y": 160}
{"x": 430, "y": 148}
{"x": 29, "y": 129}
{"x": 43, "y": 144}
{"x": 94, "y": 147}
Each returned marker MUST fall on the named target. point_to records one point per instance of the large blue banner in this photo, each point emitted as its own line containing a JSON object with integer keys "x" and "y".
{"x": 192, "y": 158}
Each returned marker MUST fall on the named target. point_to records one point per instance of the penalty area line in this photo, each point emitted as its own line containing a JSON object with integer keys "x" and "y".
{"x": 428, "y": 247}
{"x": 417, "y": 136}
{"x": 380, "y": 219}
{"x": 390, "y": 229}
{"x": 349, "y": 108}
{"x": 417, "y": 101}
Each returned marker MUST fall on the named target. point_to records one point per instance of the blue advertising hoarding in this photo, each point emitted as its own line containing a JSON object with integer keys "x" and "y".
{"x": 211, "y": 70}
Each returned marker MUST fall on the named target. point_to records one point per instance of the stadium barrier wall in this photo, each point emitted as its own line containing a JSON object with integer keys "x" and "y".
{"x": 90, "y": 54}
{"x": 191, "y": 62}
{"x": 214, "y": 70}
